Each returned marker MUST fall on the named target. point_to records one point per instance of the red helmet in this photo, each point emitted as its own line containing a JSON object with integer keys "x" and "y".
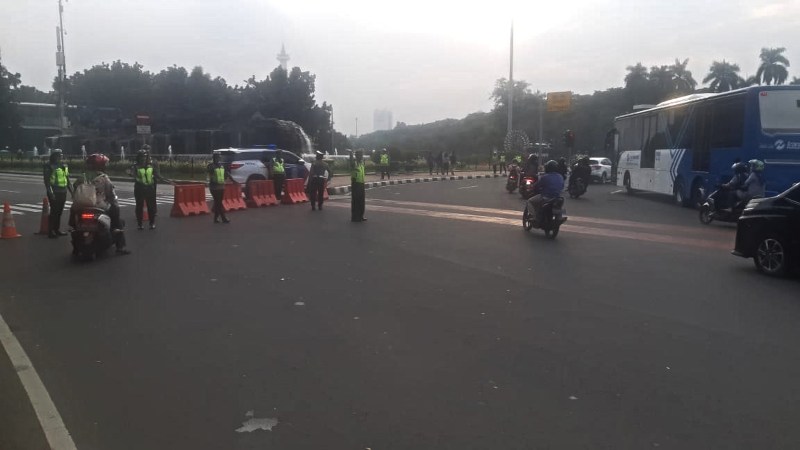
{"x": 96, "y": 161}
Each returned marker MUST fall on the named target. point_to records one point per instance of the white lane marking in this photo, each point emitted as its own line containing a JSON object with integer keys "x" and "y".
{"x": 30, "y": 205}
{"x": 22, "y": 208}
{"x": 6, "y": 190}
{"x": 53, "y": 426}
{"x": 468, "y": 187}
{"x": 618, "y": 191}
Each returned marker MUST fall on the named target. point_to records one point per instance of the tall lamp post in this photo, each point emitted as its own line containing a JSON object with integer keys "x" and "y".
{"x": 62, "y": 67}
{"x": 511, "y": 83}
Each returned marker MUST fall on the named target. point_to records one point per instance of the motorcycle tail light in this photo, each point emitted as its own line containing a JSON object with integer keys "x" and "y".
{"x": 87, "y": 216}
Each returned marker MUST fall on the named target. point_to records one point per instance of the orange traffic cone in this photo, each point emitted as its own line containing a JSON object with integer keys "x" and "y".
{"x": 145, "y": 215}
{"x": 44, "y": 224}
{"x": 9, "y": 228}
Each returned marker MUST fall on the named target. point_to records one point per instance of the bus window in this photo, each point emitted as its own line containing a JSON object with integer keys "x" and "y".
{"x": 700, "y": 149}
{"x": 678, "y": 135}
{"x": 727, "y": 128}
{"x": 779, "y": 111}
{"x": 649, "y": 151}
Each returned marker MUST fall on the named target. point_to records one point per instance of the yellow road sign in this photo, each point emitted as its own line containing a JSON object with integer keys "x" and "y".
{"x": 559, "y": 101}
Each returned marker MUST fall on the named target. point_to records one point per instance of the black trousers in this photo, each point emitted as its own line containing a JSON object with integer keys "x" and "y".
{"x": 117, "y": 226}
{"x": 278, "y": 179}
{"x": 357, "y": 201}
{"x": 385, "y": 171}
{"x": 144, "y": 194}
{"x": 56, "y": 209}
{"x": 316, "y": 191}
{"x": 219, "y": 210}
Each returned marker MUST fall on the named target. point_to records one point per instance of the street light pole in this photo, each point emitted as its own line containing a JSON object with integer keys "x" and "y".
{"x": 356, "y": 126}
{"x": 511, "y": 83}
{"x": 61, "y": 61}
{"x": 332, "y": 149}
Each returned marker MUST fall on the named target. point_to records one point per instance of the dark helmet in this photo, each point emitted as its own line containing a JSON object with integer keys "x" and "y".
{"x": 562, "y": 160}
{"x": 739, "y": 168}
{"x": 142, "y": 154}
{"x": 756, "y": 165}
{"x": 585, "y": 160}
{"x": 551, "y": 166}
{"x": 215, "y": 157}
{"x": 319, "y": 154}
{"x": 96, "y": 161}
{"x": 55, "y": 155}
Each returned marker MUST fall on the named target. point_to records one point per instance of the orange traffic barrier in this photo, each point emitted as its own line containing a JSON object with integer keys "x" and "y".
{"x": 190, "y": 199}
{"x": 295, "y": 192}
{"x": 9, "y": 227}
{"x": 44, "y": 223}
{"x": 261, "y": 193}
{"x": 232, "y": 198}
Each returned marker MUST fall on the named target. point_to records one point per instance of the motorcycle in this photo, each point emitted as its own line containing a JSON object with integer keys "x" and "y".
{"x": 551, "y": 215}
{"x": 709, "y": 210}
{"x": 513, "y": 179}
{"x": 91, "y": 235}
{"x": 577, "y": 188}
{"x": 526, "y": 185}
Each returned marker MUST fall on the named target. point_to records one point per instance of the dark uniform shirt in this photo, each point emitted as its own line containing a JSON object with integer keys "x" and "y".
{"x": 318, "y": 169}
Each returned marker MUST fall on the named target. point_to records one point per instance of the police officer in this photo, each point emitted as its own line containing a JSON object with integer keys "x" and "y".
{"x": 494, "y": 159}
{"x": 385, "y": 164}
{"x": 217, "y": 174}
{"x": 145, "y": 173}
{"x": 357, "y": 189}
{"x": 56, "y": 183}
{"x": 503, "y": 170}
{"x": 278, "y": 173}
{"x": 319, "y": 175}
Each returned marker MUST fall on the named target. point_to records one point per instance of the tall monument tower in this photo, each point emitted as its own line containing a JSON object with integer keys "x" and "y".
{"x": 283, "y": 58}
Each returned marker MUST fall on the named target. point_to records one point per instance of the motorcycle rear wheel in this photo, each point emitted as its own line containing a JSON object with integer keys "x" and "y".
{"x": 527, "y": 223}
{"x": 705, "y": 215}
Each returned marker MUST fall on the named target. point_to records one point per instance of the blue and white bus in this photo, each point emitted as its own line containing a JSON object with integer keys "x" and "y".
{"x": 686, "y": 146}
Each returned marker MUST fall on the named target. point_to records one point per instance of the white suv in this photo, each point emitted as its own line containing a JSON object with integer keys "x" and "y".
{"x": 601, "y": 169}
{"x": 247, "y": 164}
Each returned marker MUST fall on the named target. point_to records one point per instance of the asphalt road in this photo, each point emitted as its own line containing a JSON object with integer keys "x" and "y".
{"x": 439, "y": 323}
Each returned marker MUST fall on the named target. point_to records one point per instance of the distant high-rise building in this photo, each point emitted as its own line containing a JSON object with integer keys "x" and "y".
{"x": 283, "y": 58}
{"x": 382, "y": 120}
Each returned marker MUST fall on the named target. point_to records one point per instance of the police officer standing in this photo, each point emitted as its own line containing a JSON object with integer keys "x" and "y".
{"x": 357, "y": 189}
{"x": 217, "y": 174}
{"x": 503, "y": 169}
{"x": 56, "y": 183}
{"x": 145, "y": 173}
{"x": 385, "y": 165}
{"x": 278, "y": 173}
{"x": 318, "y": 176}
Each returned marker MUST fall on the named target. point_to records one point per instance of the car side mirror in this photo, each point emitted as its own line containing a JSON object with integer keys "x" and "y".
{"x": 301, "y": 161}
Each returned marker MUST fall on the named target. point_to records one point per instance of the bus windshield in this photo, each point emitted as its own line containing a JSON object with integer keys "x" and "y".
{"x": 780, "y": 111}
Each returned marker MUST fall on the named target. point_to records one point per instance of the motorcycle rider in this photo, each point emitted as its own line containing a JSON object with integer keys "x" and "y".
{"x": 582, "y": 170}
{"x": 547, "y": 188}
{"x": 562, "y": 167}
{"x": 754, "y": 185}
{"x": 732, "y": 187}
{"x": 107, "y": 198}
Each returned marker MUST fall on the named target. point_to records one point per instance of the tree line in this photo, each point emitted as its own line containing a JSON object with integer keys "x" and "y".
{"x": 179, "y": 99}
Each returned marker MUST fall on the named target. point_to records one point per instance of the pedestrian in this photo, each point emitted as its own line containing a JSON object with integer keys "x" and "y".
{"x": 431, "y": 163}
{"x": 439, "y": 158}
{"x": 357, "y": 191}
{"x": 385, "y": 164}
{"x": 453, "y": 163}
{"x": 319, "y": 175}
{"x": 503, "y": 169}
{"x": 145, "y": 174}
{"x": 56, "y": 183}
{"x": 445, "y": 163}
{"x": 278, "y": 173}
{"x": 217, "y": 174}
{"x": 494, "y": 160}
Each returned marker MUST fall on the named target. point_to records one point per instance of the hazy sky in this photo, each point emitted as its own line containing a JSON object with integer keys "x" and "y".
{"x": 423, "y": 60}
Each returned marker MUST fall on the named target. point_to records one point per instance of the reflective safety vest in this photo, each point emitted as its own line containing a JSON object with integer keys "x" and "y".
{"x": 277, "y": 166}
{"x": 144, "y": 175}
{"x": 502, "y": 158}
{"x": 219, "y": 175}
{"x": 59, "y": 177}
{"x": 358, "y": 173}
{"x": 384, "y": 159}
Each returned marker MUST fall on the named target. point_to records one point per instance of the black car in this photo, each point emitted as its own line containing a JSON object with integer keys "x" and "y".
{"x": 769, "y": 232}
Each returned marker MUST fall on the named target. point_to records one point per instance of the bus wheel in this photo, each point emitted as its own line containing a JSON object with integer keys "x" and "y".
{"x": 677, "y": 194}
{"x": 626, "y": 181}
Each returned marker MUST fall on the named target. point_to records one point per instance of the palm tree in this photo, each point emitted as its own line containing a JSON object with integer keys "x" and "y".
{"x": 681, "y": 78}
{"x": 723, "y": 76}
{"x": 637, "y": 84}
{"x": 795, "y": 81}
{"x": 773, "y": 66}
{"x": 661, "y": 79}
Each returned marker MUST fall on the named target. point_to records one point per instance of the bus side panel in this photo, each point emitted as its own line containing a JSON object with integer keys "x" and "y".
{"x": 629, "y": 161}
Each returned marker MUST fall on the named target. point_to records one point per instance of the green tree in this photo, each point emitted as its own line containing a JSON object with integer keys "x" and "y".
{"x": 723, "y": 76}
{"x": 795, "y": 81}
{"x": 773, "y": 66}
{"x": 121, "y": 85}
{"x": 9, "y": 118}
{"x": 682, "y": 78}
{"x": 33, "y": 95}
